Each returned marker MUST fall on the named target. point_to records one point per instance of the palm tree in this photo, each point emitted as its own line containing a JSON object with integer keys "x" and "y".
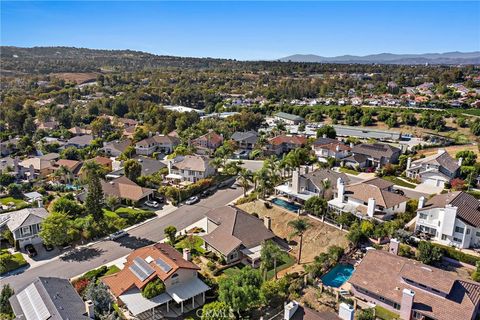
{"x": 245, "y": 179}
{"x": 299, "y": 227}
{"x": 217, "y": 163}
{"x": 270, "y": 254}
{"x": 63, "y": 174}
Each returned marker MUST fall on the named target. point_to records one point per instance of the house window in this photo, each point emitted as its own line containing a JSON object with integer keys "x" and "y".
{"x": 26, "y": 231}
{"x": 444, "y": 237}
{"x": 423, "y": 216}
{"x": 396, "y": 306}
{"x": 468, "y": 231}
{"x": 175, "y": 279}
{"x": 459, "y": 230}
{"x": 477, "y": 233}
{"x": 457, "y": 239}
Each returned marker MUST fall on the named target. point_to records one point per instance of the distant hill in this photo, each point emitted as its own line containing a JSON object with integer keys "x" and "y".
{"x": 451, "y": 58}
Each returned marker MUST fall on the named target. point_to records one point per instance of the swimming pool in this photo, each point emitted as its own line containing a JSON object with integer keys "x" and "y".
{"x": 287, "y": 205}
{"x": 338, "y": 275}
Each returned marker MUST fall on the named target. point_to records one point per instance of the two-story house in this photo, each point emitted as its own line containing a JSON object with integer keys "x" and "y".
{"x": 435, "y": 170}
{"x": 80, "y": 142}
{"x": 325, "y": 148}
{"x": 321, "y": 182}
{"x": 374, "y": 198}
{"x": 451, "y": 218}
{"x": 24, "y": 224}
{"x": 157, "y": 143}
{"x": 190, "y": 168}
{"x": 372, "y": 155}
{"x": 184, "y": 290}
{"x": 284, "y": 144}
{"x": 207, "y": 143}
{"x": 245, "y": 140}
{"x": 236, "y": 235}
{"x": 116, "y": 148}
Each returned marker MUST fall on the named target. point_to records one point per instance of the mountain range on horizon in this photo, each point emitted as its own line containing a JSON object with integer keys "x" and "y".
{"x": 455, "y": 57}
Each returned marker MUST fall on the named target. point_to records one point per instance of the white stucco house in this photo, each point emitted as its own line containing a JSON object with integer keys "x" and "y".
{"x": 451, "y": 219}
{"x": 435, "y": 170}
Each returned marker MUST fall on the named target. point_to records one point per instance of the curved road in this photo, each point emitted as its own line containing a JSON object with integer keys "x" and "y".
{"x": 79, "y": 261}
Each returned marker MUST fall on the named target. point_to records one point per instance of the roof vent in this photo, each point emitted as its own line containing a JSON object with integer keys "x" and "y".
{"x": 149, "y": 259}
{"x": 427, "y": 269}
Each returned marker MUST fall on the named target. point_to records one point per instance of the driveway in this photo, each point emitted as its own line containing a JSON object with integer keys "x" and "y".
{"x": 428, "y": 188}
{"x": 81, "y": 260}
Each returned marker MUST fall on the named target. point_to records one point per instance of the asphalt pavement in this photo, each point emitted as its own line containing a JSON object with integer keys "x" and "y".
{"x": 78, "y": 261}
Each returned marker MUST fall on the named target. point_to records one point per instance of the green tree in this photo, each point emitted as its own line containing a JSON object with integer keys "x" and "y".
{"x": 94, "y": 200}
{"x": 468, "y": 157}
{"x": 112, "y": 202}
{"x": 55, "y": 229}
{"x": 5, "y": 294}
{"x": 476, "y": 273}
{"x": 70, "y": 153}
{"x": 273, "y": 292}
{"x": 98, "y": 293}
{"x": 366, "y": 314}
{"x": 133, "y": 169}
{"x": 299, "y": 226}
{"x": 241, "y": 289}
{"x": 270, "y": 254}
{"x": 171, "y": 234}
{"x": 217, "y": 310}
{"x": 245, "y": 177}
{"x": 329, "y": 131}
{"x": 316, "y": 206}
{"x": 428, "y": 253}
{"x": 68, "y": 206}
{"x": 153, "y": 289}
{"x": 475, "y": 127}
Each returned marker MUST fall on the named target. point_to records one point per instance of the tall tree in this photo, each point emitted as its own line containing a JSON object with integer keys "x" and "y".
{"x": 55, "y": 229}
{"x": 5, "y": 294}
{"x": 133, "y": 169}
{"x": 245, "y": 179}
{"x": 171, "y": 233}
{"x": 270, "y": 254}
{"x": 94, "y": 200}
{"x": 299, "y": 226}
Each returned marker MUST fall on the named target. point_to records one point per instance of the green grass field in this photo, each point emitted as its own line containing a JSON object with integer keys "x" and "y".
{"x": 19, "y": 203}
{"x": 195, "y": 245}
{"x": 10, "y": 262}
{"x": 350, "y": 171}
{"x": 399, "y": 182}
{"x": 385, "y": 314}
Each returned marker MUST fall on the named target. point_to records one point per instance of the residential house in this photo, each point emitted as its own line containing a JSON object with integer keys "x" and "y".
{"x": 372, "y": 155}
{"x": 157, "y": 143}
{"x": 78, "y": 131}
{"x": 50, "y": 298}
{"x": 284, "y": 144}
{"x": 321, "y": 182}
{"x": 184, "y": 290}
{"x": 116, "y": 148}
{"x": 236, "y": 235}
{"x": 451, "y": 218}
{"x": 24, "y": 224}
{"x": 9, "y": 146}
{"x": 413, "y": 290}
{"x": 125, "y": 189}
{"x": 288, "y": 118}
{"x": 73, "y": 166}
{"x": 149, "y": 167}
{"x": 435, "y": 170}
{"x": 374, "y": 198}
{"x": 207, "y": 143}
{"x": 38, "y": 167}
{"x": 245, "y": 140}
{"x": 79, "y": 141}
{"x": 190, "y": 168}
{"x": 47, "y": 125}
{"x": 330, "y": 148}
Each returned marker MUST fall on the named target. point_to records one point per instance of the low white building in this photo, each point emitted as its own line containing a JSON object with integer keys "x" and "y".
{"x": 451, "y": 219}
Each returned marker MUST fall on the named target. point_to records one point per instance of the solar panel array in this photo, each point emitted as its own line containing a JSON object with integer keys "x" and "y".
{"x": 32, "y": 304}
{"x": 163, "y": 265}
{"x": 141, "y": 269}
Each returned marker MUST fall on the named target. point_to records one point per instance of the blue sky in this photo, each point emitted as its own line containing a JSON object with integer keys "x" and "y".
{"x": 246, "y": 30}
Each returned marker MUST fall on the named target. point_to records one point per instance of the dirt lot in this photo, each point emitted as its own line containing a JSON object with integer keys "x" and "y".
{"x": 79, "y": 78}
{"x": 316, "y": 240}
{"x": 452, "y": 150}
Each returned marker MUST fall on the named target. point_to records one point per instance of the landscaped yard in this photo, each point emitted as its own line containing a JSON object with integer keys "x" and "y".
{"x": 399, "y": 182}
{"x": 349, "y": 171}
{"x": 385, "y": 314}
{"x": 194, "y": 243}
{"x": 132, "y": 216}
{"x": 316, "y": 239}
{"x": 9, "y": 262}
{"x": 19, "y": 203}
{"x": 287, "y": 262}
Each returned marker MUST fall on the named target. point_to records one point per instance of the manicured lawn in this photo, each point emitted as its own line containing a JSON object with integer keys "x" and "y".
{"x": 347, "y": 170}
{"x": 19, "y": 203}
{"x": 399, "y": 182}
{"x": 131, "y": 216}
{"x": 195, "y": 243}
{"x": 112, "y": 270}
{"x": 288, "y": 261}
{"x": 9, "y": 262}
{"x": 385, "y": 314}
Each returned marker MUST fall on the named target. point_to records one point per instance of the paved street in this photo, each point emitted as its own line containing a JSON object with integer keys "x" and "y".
{"x": 79, "y": 261}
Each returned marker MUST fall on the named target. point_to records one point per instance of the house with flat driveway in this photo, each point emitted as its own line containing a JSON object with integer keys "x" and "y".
{"x": 435, "y": 170}
{"x": 24, "y": 224}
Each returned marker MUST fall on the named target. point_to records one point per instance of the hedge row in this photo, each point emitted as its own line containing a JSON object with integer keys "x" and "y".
{"x": 453, "y": 253}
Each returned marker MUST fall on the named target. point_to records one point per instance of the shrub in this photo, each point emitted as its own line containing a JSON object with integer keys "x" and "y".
{"x": 457, "y": 255}
{"x": 211, "y": 265}
{"x": 96, "y": 273}
{"x": 153, "y": 289}
{"x": 80, "y": 285}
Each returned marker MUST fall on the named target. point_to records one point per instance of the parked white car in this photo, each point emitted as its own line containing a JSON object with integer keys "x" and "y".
{"x": 117, "y": 235}
{"x": 191, "y": 200}
{"x": 151, "y": 203}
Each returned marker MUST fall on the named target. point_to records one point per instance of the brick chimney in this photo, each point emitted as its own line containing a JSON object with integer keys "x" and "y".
{"x": 407, "y": 304}
{"x": 267, "y": 221}
{"x": 345, "y": 311}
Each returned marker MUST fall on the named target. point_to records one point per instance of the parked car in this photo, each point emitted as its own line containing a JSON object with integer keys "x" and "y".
{"x": 30, "y": 249}
{"x": 223, "y": 184}
{"x": 191, "y": 200}
{"x": 160, "y": 199}
{"x": 152, "y": 204}
{"x": 205, "y": 193}
{"x": 400, "y": 192}
{"x": 48, "y": 247}
{"x": 117, "y": 235}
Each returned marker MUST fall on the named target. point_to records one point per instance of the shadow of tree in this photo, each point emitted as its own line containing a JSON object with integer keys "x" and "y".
{"x": 132, "y": 242}
{"x": 82, "y": 254}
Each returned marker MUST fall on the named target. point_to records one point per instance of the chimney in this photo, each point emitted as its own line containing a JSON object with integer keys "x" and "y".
{"x": 289, "y": 310}
{"x": 407, "y": 304}
{"x": 169, "y": 164}
{"x": 15, "y": 165}
{"x": 441, "y": 151}
{"x": 40, "y": 202}
{"x": 337, "y": 148}
{"x": 371, "y": 207}
{"x": 296, "y": 181}
{"x": 460, "y": 160}
{"x": 324, "y": 136}
{"x": 393, "y": 247}
{"x": 409, "y": 162}
{"x": 345, "y": 311}
{"x": 267, "y": 221}
{"x": 340, "y": 189}
{"x": 351, "y": 145}
{"x": 89, "y": 309}
{"x": 421, "y": 202}
{"x": 32, "y": 172}
{"x": 187, "y": 254}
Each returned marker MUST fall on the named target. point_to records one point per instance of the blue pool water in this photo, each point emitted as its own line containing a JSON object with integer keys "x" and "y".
{"x": 338, "y": 275}
{"x": 287, "y": 205}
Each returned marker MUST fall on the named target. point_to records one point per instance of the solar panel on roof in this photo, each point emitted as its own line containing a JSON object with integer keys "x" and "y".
{"x": 163, "y": 265}
{"x": 32, "y": 304}
{"x": 141, "y": 269}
